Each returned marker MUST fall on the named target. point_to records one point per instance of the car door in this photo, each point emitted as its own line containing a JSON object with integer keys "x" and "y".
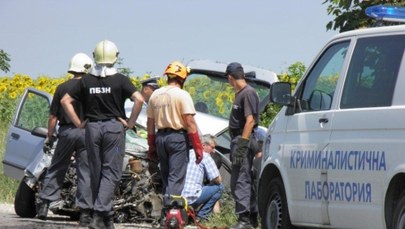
{"x": 307, "y": 135}
{"x": 367, "y": 138}
{"x": 22, "y": 147}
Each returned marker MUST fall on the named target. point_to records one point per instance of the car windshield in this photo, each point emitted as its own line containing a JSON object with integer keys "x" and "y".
{"x": 214, "y": 95}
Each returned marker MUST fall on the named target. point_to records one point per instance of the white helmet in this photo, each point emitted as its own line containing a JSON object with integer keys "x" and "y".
{"x": 106, "y": 52}
{"x": 80, "y": 63}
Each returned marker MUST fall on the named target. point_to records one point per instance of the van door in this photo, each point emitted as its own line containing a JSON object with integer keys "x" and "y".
{"x": 307, "y": 136}
{"x": 22, "y": 146}
{"x": 367, "y": 140}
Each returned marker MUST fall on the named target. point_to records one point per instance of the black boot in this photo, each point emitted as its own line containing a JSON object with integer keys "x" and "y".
{"x": 254, "y": 220}
{"x": 162, "y": 221}
{"x": 243, "y": 222}
{"x": 42, "y": 209}
{"x": 242, "y": 225}
{"x": 109, "y": 222}
{"x": 85, "y": 217}
{"x": 97, "y": 222}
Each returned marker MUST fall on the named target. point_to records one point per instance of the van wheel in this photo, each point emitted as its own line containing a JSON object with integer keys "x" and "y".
{"x": 24, "y": 202}
{"x": 276, "y": 213}
{"x": 398, "y": 222}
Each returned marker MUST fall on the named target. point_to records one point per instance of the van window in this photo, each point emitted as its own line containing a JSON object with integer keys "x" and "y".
{"x": 318, "y": 88}
{"x": 373, "y": 72}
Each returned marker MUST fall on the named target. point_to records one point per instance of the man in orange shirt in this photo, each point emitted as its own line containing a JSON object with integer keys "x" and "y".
{"x": 171, "y": 111}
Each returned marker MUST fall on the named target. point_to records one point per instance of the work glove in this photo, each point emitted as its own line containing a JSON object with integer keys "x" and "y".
{"x": 241, "y": 151}
{"x": 198, "y": 149}
{"x": 152, "y": 155}
{"x": 48, "y": 144}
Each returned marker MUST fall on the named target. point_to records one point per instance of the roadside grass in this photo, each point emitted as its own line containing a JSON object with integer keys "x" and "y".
{"x": 8, "y": 186}
{"x": 227, "y": 215}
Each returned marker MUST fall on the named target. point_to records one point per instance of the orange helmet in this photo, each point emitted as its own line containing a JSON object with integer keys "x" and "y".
{"x": 176, "y": 68}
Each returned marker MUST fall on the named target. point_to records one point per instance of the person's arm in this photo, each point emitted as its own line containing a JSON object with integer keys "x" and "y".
{"x": 67, "y": 103}
{"x": 50, "y": 139}
{"x": 190, "y": 122}
{"x": 217, "y": 180}
{"x": 136, "y": 109}
{"x": 248, "y": 128}
{"x": 52, "y": 120}
{"x": 242, "y": 143}
{"x": 150, "y": 126}
{"x": 193, "y": 136}
{"x": 211, "y": 171}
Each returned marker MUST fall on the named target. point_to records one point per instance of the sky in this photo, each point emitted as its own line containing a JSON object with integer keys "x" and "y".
{"x": 42, "y": 36}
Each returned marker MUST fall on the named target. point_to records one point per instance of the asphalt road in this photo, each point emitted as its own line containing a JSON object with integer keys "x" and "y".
{"x": 8, "y": 219}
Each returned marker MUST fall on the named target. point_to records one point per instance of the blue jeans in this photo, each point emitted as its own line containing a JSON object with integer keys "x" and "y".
{"x": 210, "y": 194}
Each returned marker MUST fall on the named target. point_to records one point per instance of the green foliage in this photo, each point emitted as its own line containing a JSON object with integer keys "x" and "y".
{"x": 294, "y": 73}
{"x": 4, "y": 61}
{"x": 268, "y": 114}
{"x": 121, "y": 69}
{"x": 7, "y": 109}
{"x": 34, "y": 113}
{"x": 350, "y": 14}
{"x": 8, "y": 186}
{"x": 227, "y": 215}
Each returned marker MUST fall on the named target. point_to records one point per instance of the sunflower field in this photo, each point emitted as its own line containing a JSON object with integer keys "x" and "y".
{"x": 12, "y": 88}
{"x": 217, "y": 96}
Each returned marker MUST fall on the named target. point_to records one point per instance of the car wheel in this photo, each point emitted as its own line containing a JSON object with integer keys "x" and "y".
{"x": 74, "y": 216}
{"x": 276, "y": 212}
{"x": 24, "y": 202}
{"x": 398, "y": 221}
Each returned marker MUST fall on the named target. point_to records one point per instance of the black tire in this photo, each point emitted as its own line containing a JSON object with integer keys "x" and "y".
{"x": 398, "y": 221}
{"x": 24, "y": 202}
{"x": 74, "y": 216}
{"x": 276, "y": 212}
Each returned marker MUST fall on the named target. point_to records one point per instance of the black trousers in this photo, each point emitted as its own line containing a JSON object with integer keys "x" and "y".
{"x": 105, "y": 143}
{"x": 70, "y": 140}
{"x": 173, "y": 152}
{"x": 242, "y": 182}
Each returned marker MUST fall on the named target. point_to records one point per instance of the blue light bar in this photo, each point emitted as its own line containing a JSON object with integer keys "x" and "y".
{"x": 386, "y": 13}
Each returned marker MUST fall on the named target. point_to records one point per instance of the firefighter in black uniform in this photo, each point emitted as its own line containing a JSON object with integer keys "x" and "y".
{"x": 70, "y": 139}
{"x": 103, "y": 93}
{"x": 243, "y": 119}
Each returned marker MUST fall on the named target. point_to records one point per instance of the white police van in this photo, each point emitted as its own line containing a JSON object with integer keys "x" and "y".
{"x": 334, "y": 156}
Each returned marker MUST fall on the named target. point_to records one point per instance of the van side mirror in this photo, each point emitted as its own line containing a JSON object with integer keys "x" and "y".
{"x": 280, "y": 93}
{"x": 319, "y": 100}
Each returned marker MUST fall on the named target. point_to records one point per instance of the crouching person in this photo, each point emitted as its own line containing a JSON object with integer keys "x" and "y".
{"x": 202, "y": 197}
